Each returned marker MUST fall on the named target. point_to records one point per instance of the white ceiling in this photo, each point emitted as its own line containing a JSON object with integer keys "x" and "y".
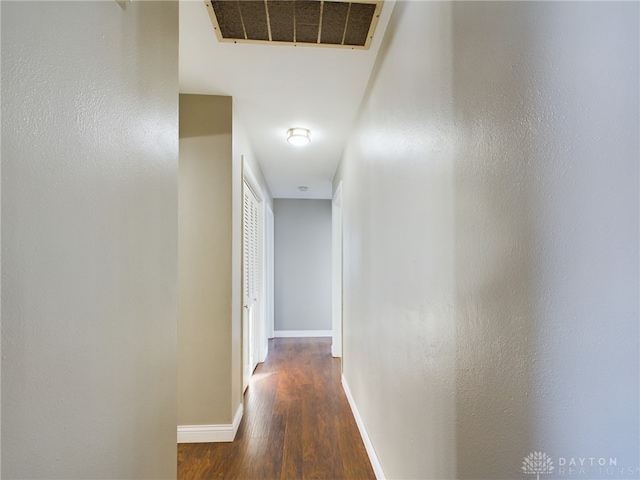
{"x": 277, "y": 87}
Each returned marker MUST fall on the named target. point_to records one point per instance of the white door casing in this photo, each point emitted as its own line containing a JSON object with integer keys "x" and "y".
{"x": 336, "y": 269}
{"x": 251, "y": 280}
{"x": 269, "y": 251}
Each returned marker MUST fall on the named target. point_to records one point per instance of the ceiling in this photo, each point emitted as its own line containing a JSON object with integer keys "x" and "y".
{"x": 276, "y": 87}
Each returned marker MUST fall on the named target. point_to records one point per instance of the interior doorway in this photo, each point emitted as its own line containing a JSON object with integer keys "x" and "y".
{"x": 270, "y": 280}
{"x": 336, "y": 261}
{"x": 254, "y": 277}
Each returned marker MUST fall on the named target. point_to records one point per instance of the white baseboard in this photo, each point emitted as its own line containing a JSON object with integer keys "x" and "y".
{"x": 302, "y": 333}
{"x": 264, "y": 352}
{"x": 210, "y": 433}
{"x": 373, "y": 458}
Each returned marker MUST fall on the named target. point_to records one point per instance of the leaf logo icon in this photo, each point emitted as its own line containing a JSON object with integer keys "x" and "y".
{"x": 537, "y": 463}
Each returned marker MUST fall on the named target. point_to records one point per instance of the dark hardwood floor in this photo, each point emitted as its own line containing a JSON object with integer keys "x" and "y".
{"x": 297, "y": 423}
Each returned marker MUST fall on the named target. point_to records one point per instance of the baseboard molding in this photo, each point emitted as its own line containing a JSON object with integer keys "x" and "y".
{"x": 210, "y": 433}
{"x": 265, "y": 352}
{"x": 373, "y": 457}
{"x": 302, "y": 333}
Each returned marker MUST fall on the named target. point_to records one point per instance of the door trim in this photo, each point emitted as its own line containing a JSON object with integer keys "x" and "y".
{"x": 260, "y": 343}
{"x": 336, "y": 272}
{"x": 269, "y": 272}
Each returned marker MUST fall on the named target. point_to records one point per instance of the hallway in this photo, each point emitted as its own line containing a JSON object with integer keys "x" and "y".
{"x": 485, "y": 261}
{"x": 297, "y": 423}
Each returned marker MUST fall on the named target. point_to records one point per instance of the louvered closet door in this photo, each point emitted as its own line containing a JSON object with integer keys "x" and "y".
{"x": 251, "y": 279}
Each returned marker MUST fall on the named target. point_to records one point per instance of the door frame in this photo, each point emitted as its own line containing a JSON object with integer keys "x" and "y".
{"x": 269, "y": 274}
{"x": 336, "y": 272}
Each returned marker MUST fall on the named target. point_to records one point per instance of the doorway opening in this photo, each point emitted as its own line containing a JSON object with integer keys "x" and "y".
{"x": 255, "y": 271}
{"x": 336, "y": 261}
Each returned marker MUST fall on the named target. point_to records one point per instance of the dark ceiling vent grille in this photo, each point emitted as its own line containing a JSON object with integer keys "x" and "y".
{"x": 337, "y": 23}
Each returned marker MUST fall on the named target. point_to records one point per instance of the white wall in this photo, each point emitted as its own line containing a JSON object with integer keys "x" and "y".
{"x": 302, "y": 264}
{"x": 0, "y": 241}
{"x": 213, "y": 144}
{"x": 89, "y": 240}
{"x": 205, "y": 261}
{"x": 242, "y": 152}
{"x": 491, "y": 239}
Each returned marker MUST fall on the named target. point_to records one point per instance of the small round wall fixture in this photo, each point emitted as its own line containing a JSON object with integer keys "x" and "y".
{"x": 298, "y": 136}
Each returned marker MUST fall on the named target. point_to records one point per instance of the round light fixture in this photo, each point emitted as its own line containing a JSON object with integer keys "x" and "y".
{"x": 303, "y": 188}
{"x": 298, "y": 136}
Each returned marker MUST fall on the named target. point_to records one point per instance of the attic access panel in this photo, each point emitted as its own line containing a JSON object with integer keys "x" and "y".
{"x": 335, "y": 23}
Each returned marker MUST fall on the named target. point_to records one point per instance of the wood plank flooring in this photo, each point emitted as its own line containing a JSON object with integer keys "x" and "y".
{"x": 297, "y": 423}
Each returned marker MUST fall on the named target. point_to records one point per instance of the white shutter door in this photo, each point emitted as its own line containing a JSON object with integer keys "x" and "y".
{"x": 251, "y": 281}
{"x": 251, "y": 253}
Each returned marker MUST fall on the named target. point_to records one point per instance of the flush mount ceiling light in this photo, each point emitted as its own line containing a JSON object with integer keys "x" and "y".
{"x": 303, "y": 188}
{"x": 298, "y": 136}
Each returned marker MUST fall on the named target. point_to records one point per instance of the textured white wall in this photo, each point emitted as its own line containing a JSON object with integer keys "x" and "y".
{"x": 302, "y": 264}
{"x": 241, "y": 150}
{"x": 204, "y": 261}
{"x": 213, "y": 143}
{"x": 491, "y": 238}
{"x": 89, "y": 240}
{"x": 0, "y": 241}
